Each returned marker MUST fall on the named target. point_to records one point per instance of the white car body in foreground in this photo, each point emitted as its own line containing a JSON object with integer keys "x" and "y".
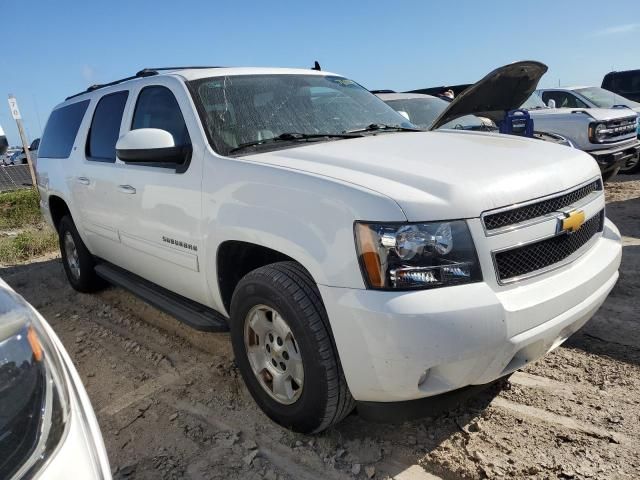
{"x": 76, "y": 448}
{"x": 303, "y": 202}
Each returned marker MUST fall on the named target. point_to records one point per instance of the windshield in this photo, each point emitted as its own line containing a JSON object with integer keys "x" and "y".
{"x": 533, "y": 102}
{"x": 423, "y": 111}
{"x": 604, "y": 98}
{"x": 248, "y": 109}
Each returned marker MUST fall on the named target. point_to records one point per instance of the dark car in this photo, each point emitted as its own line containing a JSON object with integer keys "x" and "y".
{"x": 625, "y": 84}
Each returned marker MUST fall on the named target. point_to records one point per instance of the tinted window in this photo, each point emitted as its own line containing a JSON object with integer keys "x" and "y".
{"x": 105, "y": 127}
{"x": 158, "y": 108}
{"x": 61, "y": 130}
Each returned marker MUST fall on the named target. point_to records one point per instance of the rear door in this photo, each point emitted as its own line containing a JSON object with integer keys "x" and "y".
{"x": 160, "y": 228}
{"x": 95, "y": 184}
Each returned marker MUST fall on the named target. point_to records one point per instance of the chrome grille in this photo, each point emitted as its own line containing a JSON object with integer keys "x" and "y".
{"x": 620, "y": 128}
{"x": 538, "y": 209}
{"x": 536, "y": 256}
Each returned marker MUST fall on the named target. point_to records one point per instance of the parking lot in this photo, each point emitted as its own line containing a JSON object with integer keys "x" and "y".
{"x": 171, "y": 404}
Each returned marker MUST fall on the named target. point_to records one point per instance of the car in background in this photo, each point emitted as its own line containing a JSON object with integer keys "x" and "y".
{"x": 607, "y": 134}
{"x": 593, "y": 97}
{"x": 48, "y": 429}
{"x": 626, "y": 84}
{"x": 20, "y": 157}
{"x": 586, "y": 97}
{"x": 423, "y": 111}
{"x": 4, "y": 144}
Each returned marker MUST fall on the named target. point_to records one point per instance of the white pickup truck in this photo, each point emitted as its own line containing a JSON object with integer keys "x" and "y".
{"x": 354, "y": 258}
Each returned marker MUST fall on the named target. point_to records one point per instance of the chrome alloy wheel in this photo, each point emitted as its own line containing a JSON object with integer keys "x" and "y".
{"x": 273, "y": 354}
{"x": 71, "y": 252}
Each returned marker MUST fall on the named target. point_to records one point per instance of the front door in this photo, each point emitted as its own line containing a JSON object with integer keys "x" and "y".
{"x": 94, "y": 186}
{"x": 160, "y": 229}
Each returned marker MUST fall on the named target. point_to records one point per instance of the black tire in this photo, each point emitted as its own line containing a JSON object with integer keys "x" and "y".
{"x": 85, "y": 280}
{"x": 289, "y": 289}
{"x": 631, "y": 167}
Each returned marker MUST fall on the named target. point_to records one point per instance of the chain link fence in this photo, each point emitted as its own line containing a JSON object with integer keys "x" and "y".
{"x": 14, "y": 177}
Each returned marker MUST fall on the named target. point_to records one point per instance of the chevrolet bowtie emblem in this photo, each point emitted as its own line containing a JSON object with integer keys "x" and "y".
{"x": 572, "y": 222}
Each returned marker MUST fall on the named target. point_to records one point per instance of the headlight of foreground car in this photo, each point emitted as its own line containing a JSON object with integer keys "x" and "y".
{"x": 34, "y": 401}
{"x": 411, "y": 256}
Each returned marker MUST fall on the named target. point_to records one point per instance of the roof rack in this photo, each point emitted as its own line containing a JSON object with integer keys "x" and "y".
{"x": 145, "y": 72}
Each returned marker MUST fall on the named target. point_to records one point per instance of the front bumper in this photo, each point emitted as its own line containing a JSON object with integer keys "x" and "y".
{"x": 613, "y": 158}
{"x": 397, "y": 346}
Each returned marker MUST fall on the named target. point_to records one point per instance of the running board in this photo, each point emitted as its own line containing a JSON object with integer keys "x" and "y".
{"x": 187, "y": 311}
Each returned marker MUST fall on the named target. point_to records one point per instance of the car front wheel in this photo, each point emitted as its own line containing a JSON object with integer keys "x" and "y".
{"x": 284, "y": 349}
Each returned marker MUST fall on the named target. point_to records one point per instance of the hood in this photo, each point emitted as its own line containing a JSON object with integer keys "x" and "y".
{"x": 600, "y": 114}
{"x": 445, "y": 174}
{"x": 505, "y": 88}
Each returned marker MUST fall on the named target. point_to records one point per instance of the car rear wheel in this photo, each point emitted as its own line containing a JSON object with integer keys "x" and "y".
{"x": 77, "y": 260}
{"x": 284, "y": 349}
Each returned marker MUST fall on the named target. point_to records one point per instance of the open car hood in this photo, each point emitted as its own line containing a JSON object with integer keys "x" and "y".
{"x": 505, "y": 88}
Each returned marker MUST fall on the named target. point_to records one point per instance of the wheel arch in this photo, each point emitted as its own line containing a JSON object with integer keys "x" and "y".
{"x": 236, "y": 258}
{"x": 58, "y": 208}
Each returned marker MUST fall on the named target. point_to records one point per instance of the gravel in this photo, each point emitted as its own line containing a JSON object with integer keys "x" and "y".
{"x": 171, "y": 405}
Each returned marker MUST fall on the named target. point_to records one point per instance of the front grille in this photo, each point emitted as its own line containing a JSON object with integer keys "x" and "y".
{"x": 540, "y": 255}
{"x": 538, "y": 209}
{"x": 618, "y": 128}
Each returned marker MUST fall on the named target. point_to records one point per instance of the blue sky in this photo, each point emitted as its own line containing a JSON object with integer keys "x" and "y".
{"x": 61, "y": 47}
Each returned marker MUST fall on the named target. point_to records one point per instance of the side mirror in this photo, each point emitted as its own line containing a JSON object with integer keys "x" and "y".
{"x": 150, "y": 145}
{"x": 551, "y": 103}
{"x": 404, "y": 114}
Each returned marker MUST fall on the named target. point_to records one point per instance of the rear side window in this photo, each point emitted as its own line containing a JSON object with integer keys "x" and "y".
{"x": 158, "y": 108}
{"x": 105, "y": 127}
{"x": 61, "y": 130}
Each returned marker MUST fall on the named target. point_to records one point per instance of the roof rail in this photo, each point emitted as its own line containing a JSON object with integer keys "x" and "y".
{"x": 145, "y": 72}
{"x": 382, "y": 91}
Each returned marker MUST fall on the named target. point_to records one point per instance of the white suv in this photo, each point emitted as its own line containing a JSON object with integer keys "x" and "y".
{"x": 353, "y": 258}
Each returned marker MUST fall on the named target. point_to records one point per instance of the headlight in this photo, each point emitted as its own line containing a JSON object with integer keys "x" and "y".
{"x": 598, "y": 132}
{"x": 416, "y": 255}
{"x": 34, "y": 402}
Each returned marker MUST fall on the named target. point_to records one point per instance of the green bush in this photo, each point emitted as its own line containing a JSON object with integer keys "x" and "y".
{"x": 27, "y": 244}
{"x": 19, "y": 208}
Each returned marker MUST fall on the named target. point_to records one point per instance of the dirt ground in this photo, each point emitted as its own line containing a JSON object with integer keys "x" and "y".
{"x": 171, "y": 404}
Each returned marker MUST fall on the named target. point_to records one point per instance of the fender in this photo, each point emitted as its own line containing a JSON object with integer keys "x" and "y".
{"x": 305, "y": 216}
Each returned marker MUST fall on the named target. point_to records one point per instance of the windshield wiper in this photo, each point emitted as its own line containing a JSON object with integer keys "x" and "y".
{"x": 293, "y": 137}
{"x": 375, "y": 127}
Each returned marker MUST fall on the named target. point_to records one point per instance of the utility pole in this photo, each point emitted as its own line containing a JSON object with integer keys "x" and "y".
{"x": 15, "y": 113}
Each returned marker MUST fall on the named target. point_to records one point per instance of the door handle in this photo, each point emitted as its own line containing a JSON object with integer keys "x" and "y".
{"x": 83, "y": 180}
{"x": 128, "y": 189}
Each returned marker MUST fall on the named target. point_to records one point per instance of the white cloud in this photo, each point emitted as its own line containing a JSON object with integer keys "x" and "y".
{"x": 618, "y": 29}
{"x": 88, "y": 73}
